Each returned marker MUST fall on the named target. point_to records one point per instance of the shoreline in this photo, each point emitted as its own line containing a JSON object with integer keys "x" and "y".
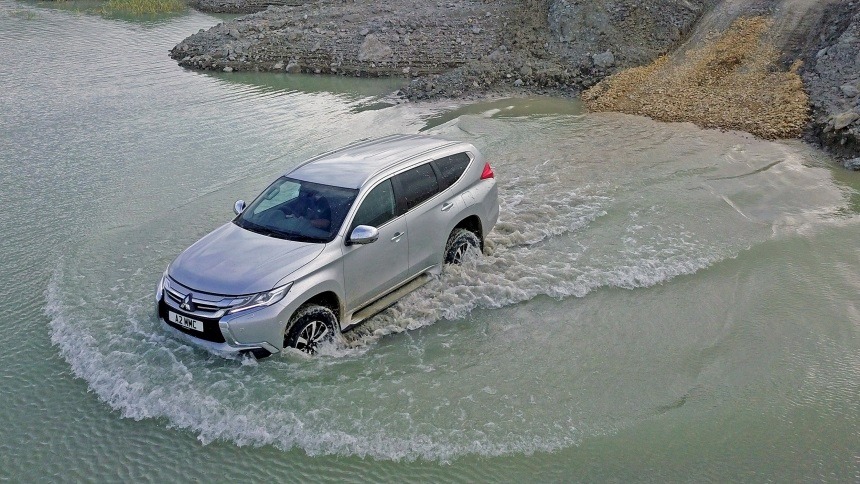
{"x": 471, "y": 49}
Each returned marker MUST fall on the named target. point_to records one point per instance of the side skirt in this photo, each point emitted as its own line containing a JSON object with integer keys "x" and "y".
{"x": 385, "y": 301}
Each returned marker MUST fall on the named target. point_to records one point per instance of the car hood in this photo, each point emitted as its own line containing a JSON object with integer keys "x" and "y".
{"x": 233, "y": 261}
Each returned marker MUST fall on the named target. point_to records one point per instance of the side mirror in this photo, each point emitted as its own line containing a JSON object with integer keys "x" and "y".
{"x": 239, "y": 206}
{"x": 362, "y": 235}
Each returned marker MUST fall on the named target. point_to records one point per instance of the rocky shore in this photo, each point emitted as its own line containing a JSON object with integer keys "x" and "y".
{"x": 469, "y": 48}
{"x": 831, "y": 75}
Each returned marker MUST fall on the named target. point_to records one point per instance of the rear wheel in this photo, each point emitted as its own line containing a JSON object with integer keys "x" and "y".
{"x": 460, "y": 242}
{"x": 311, "y": 326}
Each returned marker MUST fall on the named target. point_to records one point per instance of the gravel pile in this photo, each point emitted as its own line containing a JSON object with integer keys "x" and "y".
{"x": 733, "y": 81}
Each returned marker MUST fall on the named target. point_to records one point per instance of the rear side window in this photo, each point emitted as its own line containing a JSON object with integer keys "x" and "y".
{"x": 377, "y": 208}
{"x": 452, "y": 168}
{"x": 418, "y": 184}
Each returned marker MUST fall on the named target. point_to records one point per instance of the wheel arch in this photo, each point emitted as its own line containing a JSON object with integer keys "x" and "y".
{"x": 328, "y": 299}
{"x": 472, "y": 223}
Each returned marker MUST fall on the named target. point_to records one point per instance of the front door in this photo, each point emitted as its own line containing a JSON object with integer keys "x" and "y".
{"x": 371, "y": 270}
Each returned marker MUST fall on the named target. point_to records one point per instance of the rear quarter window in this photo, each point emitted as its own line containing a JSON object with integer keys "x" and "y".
{"x": 451, "y": 168}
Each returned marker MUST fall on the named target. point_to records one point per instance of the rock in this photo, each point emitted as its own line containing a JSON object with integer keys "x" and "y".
{"x": 363, "y": 32}
{"x": 842, "y": 120}
{"x": 604, "y": 60}
{"x": 849, "y": 91}
{"x": 518, "y": 82}
{"x": 228, "y": 69}
{"x": 852, "y": 164}
{"x": 278, "y": 66}
{"x": 373, "y": 50}
{"x": 476, "y": 30}
{"x": 525, "y": 71}
{"x": 293, "y": 67}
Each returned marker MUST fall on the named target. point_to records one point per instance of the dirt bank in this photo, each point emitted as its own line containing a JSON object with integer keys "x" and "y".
{"x": 363, "y": 38}
{"x": 450, "y": 49}
{"x": 731, "y": 81}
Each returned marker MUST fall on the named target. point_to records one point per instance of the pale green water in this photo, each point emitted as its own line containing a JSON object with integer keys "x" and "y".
{"x": 660, "y": 302}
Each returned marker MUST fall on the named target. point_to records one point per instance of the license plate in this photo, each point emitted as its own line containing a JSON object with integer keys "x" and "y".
{"x": 185, "y": 321}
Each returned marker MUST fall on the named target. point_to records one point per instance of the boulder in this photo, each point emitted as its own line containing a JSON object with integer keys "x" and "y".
{"x": 603, "y": 60}
{"x": 293, "y": 67}
{"x": 842, "y": 120}
{"x": 372, "y": 49}
{"x": 849, "y": 90}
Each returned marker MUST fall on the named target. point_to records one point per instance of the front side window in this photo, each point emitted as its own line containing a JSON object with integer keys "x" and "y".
{"x": 377, "y": 208}
{"x": 418, "y": 185}
{"x": 298, "y": 210}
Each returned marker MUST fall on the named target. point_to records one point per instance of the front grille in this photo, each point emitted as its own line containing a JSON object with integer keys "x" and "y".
{"x": 205, "y": 305}
{"x": 211, "y": 331}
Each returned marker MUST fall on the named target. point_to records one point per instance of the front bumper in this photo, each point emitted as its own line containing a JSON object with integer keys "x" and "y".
{"x": 229, "y": 348}
{"x": 216, "y": 336}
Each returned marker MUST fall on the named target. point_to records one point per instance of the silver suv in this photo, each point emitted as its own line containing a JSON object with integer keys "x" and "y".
{"x": 329, "y": 244}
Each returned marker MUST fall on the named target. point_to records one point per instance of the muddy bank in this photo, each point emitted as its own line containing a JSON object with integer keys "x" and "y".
{"x": 473, "y": 48}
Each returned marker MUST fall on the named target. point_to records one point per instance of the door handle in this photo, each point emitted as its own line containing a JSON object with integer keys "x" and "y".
{"x": 397, "y": 236}
{"x": 447, "y": 206}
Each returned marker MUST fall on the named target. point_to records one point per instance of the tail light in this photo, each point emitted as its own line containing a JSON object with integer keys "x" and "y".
{"x": 488, "y": 172}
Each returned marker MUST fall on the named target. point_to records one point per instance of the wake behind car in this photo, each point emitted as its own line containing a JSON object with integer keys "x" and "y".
{"x": 329, "y": 244}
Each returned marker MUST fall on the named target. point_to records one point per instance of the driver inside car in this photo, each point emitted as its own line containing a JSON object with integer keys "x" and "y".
{"x": 313, "y": 207}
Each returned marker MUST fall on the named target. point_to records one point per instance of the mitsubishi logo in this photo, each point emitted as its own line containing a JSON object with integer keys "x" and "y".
{"x": 187, "y": 303}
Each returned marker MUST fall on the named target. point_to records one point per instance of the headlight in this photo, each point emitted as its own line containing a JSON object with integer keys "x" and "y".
{"x": 262, "y": 299}
{"x": 162, "y": 283}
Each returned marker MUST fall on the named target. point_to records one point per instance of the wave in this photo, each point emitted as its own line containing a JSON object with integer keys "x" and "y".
{"x": 334, "y": 404}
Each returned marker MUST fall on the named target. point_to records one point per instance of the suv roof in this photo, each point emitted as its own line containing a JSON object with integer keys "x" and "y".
{"x": 351, "y": 166}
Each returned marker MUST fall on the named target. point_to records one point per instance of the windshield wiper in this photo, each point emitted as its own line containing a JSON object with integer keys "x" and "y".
{"x": 269, "y": 232}
{"x": 303, "y": 238}
{"x": 259, "y": 229}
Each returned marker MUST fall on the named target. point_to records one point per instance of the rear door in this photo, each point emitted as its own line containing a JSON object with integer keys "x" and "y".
{"x": 374, "y": 269}
{"x": 428, "y": 215}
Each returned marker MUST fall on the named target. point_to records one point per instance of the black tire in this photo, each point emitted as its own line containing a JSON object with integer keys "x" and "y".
{"x": 459, "y": 244}
{"x": 309, "y": 327}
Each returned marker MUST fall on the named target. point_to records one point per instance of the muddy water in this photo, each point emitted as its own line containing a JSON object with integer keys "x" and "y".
{"x": 658, "y": 302}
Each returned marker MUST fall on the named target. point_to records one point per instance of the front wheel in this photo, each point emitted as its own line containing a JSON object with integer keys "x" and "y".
{"x": 311, "y": 326}
{"x": 459, "y": 244}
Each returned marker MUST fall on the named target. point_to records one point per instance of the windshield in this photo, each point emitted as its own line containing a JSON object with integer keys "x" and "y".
{"x": 298, "y": 210}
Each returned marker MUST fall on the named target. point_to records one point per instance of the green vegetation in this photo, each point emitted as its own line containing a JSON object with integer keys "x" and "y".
{"x": 24, "y": 14}
{"x": 143, "y": 6}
